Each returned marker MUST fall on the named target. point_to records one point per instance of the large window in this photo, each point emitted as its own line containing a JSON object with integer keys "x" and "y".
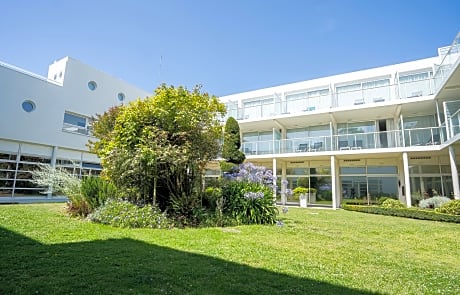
{"x": 258, "y": 108}
{"x": 308, "y": 100}
{"x": 415, "y": 84}
{"x": 363, "y": 92}
{"x": 369, "y": 182}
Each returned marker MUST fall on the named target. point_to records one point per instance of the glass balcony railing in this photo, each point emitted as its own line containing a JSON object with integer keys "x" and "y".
{"x": 336, "y": 99}
{"x": 354, "y": 141}
{"x": 424, "y": 136}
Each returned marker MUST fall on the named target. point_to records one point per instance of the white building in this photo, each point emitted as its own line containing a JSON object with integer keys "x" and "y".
{"x": 389, "y": 131}
{"x": 48, "y": 120}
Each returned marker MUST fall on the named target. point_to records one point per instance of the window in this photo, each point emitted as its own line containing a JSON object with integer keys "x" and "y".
{"x": 121, "y": 96}
{"x": 76, "y": 123}
{"x": 92, "y": 85}
{"x": 28, "y": 106}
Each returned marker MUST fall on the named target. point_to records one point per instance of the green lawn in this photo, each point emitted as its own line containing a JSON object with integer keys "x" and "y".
{"x": 42, "y": 251}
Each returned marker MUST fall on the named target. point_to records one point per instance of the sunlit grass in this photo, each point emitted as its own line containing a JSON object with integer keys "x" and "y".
{"x": 315, "y": 252}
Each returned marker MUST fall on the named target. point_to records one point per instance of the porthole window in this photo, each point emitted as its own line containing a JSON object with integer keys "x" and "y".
{"x": 92, "y": 85}
{"x": 28, "y": 106}
{"x": 60, "y": 75}
{"x": 121, "y": 96}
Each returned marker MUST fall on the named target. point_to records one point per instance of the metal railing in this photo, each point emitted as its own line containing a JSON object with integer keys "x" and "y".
{"x": 352, "y": 141}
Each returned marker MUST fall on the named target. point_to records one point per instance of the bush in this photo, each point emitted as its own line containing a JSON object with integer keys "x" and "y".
{"x": 124, "y": 214}
{"x": 96, "y": 191}
{"x": 392, "y": 203}
{"x": 77, "y": 206}
{"x": 249, "y": 202}
{"x": 405, "y": 212}
{"x": 381, "y": 200}
{"x": 452, "y": 207}
{"x": 432, "y": 203}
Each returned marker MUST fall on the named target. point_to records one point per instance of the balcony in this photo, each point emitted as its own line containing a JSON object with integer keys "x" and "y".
{"x": 345, "y": 96}
{"x": 428, "y": 136}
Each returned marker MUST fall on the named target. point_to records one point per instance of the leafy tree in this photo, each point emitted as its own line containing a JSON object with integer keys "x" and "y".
{"x": 231, "y": 149}
{"x": 103, "y": 126}
{"x": 164, "y": 142}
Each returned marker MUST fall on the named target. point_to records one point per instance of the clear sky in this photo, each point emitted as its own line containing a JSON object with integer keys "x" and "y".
{"x": 227, "y": 46}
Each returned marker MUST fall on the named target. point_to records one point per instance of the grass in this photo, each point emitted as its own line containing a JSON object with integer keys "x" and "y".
{"x": 42, "y": 251}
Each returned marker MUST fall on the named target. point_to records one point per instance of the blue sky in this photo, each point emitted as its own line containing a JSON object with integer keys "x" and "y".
{"x": 227, "y": 46}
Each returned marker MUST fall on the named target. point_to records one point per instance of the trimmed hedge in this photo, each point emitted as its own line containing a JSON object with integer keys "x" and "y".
{"x": 405, "y": 212}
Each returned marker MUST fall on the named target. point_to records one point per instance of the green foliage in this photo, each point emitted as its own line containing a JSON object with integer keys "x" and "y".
{"x": 232, "y": 142}
{"x": 382, "y": 199}
{"x": 212, "y": 196}
{"x": 433, "y": 202}
{"x": 160, "y": 145}
{"x": 451, "y": 207}
{"x": 227, "y": 167}
{"x": 96, "y": 191}
{"x": 125, "y": 214}
{"x": 249, "y": 202}
{"x": 300, "y": 190}
{"x": 103, "y": 126}
{"x": 392, "y": 203}
{"x": 405, "y": 212}
{"x": 186, "y": 210}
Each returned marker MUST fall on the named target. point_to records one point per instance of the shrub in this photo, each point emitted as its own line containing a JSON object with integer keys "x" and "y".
{"x": 392, "y": 203}
{"x": 124, "y": 214}
{"x": 249, "y": 202}
{"x": 432, "y": 203}
{"x": 96, "y": 191}
{"x": 382, "y": 199}
{"x": 452, "y": 207}
{"x": 405, "y": 212}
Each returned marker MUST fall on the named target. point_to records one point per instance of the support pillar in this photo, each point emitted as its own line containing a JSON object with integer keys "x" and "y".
{"x": 334, "y": 180}
{"x": 407, "y": 180}
{"x": 274, "y": 179}
{"x": 53, "y": 164}
{"x": 454, "y": 171}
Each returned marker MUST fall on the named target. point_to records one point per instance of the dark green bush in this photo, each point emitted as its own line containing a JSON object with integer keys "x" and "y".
{"x": 125, "y": 214}
{"x": 452, "y": 207}
{"x": 405, "y": 212}
{"x": 96, "y": 191}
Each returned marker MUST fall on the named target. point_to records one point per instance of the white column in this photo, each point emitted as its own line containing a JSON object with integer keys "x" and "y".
{"x": 407, "y": 179}
{"x": 283, "y": 177}
{"x": 454, "y": 171}
{"x": 53, "y": 164}
{"x": 334, "y": 180}
{"x": 274, "y": 179}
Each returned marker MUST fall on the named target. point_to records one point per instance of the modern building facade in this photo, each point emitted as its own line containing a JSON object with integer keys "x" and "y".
{"x": 390, "y": 131}
{"x": 384, "y": 132}
{"x": 48, "y": 120}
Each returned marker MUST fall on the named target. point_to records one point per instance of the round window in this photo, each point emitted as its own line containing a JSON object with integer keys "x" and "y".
{"x": 121, "y": 96}
{"x": 92, "y": 85}
{"x": 28, "y": 106}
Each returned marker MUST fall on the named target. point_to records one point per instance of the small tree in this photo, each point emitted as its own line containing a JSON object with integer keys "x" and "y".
{"x": 232, "y": 143}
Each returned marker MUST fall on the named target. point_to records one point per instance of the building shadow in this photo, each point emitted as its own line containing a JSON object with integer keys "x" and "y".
{"x": 126, "y": 266}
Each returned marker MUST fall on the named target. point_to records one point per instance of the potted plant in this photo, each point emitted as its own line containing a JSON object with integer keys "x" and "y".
{"x": 301, "y": 193}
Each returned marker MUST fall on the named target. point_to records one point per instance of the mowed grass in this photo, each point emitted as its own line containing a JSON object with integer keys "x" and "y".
{"x": 42, "y": 251}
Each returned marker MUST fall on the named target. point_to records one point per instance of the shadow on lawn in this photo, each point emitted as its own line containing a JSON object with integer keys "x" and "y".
{"x": 130, "y": 266}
